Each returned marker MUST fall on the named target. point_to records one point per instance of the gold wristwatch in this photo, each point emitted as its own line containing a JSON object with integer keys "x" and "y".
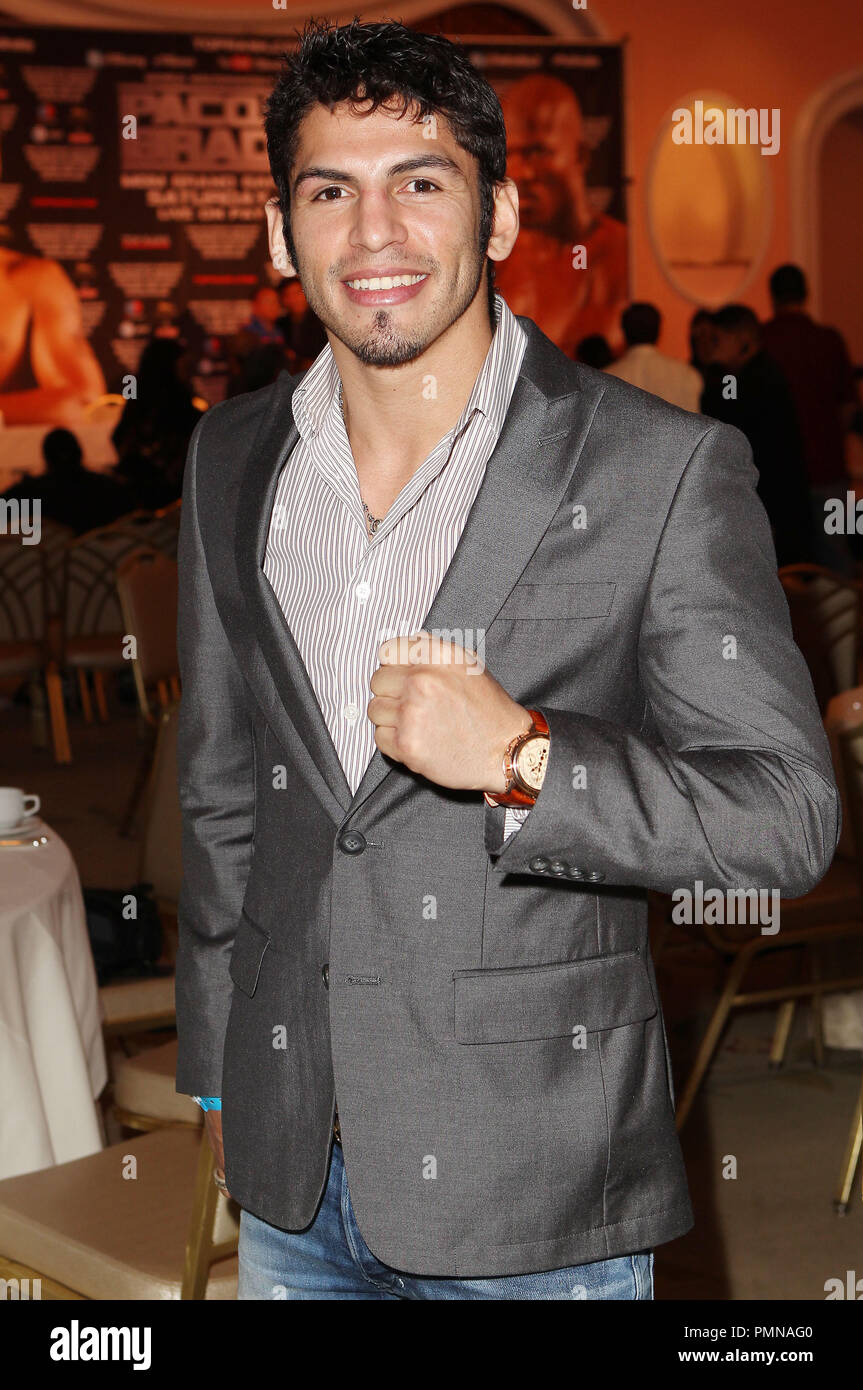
{"x": 524, "y": 764}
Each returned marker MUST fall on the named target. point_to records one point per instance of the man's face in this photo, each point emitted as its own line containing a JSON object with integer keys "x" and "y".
{"x": 266, "y": 305}
{"x": 545, "y": 156}
{"x": 372, "y": 198}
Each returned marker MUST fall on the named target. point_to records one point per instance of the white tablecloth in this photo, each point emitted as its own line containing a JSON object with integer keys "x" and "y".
{"x": 52, "y": 1056}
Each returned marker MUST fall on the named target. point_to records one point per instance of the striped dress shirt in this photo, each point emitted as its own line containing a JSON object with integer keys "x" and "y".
{"x": 342, "y": 592}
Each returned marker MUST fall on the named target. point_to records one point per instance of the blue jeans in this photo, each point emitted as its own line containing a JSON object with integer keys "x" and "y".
{"x": 330, "y": 1259}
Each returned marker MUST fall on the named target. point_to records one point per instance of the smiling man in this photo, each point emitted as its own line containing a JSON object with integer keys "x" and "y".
{"x": 414, "y": 987}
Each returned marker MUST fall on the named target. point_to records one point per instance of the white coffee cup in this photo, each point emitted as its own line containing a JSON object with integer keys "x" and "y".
{"x": 15, "y": 805}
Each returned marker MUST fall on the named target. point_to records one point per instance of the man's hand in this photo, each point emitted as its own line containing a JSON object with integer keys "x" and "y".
{"x": 213, "y": 1126}
{"x": 437, "y": 710}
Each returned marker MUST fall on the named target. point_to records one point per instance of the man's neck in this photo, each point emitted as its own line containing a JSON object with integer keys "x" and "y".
{"x": 396, "y": 415}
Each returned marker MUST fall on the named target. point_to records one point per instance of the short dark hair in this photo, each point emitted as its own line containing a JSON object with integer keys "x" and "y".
{"x": 732, "y": 318}
{"x": 640, "y": 324}
{"x": 788, "y": 285}
{"x": 371, "y": 65}
{"x": 594, "y": 351}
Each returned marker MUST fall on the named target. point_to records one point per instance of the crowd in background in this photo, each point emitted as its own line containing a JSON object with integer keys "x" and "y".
{"x": 788, "y": 384}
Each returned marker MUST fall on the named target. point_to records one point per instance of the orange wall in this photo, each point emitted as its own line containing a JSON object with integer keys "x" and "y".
{"x": 764, "y": 53}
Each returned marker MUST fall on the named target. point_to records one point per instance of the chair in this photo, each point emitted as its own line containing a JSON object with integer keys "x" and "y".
{"x": 24, "y": 649}
{"x": 825, "y": 617}
{"x": 160, "y": 529}
{"x": 88, "y": 1230}
{"x": 851, "y": 746}
{"x": 92, "y": 621}
{"x": 832, "y": 911}
{"x": 147, "y": 588}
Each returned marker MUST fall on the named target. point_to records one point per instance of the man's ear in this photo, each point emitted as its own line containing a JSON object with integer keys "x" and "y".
{"x": 505, "y": 223}
{"x": 276, "y": 233}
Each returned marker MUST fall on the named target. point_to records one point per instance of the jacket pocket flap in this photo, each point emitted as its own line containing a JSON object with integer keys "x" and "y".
{"x": 540, "y": 601}
{"x": 550, "y": 1001}
{"x": 250, "y": 943}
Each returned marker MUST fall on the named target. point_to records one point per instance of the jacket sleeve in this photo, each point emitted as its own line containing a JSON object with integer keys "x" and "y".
{"x": 728, "y": 778}
{"x": 215, "y": 755}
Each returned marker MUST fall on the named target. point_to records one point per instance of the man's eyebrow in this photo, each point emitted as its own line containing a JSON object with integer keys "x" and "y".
{"x": 404, "y": 166}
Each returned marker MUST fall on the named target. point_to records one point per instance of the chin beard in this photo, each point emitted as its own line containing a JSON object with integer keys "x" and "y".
{"x": 383, "y": 347}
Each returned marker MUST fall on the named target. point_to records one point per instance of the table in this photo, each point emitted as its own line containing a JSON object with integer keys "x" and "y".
{"x": 52, "y": 1055}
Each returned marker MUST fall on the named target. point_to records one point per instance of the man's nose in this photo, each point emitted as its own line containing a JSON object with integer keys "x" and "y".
{"x": 378, "y": 221}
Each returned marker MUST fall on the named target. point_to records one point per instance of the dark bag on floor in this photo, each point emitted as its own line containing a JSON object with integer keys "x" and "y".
{"x": 123, "y": 944}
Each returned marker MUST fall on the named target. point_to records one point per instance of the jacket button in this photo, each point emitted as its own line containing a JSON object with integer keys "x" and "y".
{"x": 351, "y": 842}
{"x": 595, "y": 877}
{"x": 574, "y": 873}
{"x": 558, "y": 867}
{"x": 539, "y": 865}
{"x": 325, "y": 973}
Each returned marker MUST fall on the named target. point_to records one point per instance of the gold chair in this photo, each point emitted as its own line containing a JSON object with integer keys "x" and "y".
{"x": 141, "y": 1220}
{"x": 825, "y": 616}
{"x": 147, "y": 587}
{"x": 92, "y": 621}
{"x": 24, "y": 646}
{"x": 159, "y": 530}
{"x": 851, "y": 746}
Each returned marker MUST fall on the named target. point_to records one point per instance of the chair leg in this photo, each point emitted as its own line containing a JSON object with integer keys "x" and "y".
{"x": 57, "y": 708}
{"x": 782, "y": 1032}
{"x": 713, "y": 1034}
{"x": 850, "y": 1161}
{"x": 817, "y": 1008}
{"x": 101, "y": 702}
{"x": 84, "y": 692}
{"x": 142, "y": 775}
{"x": 38, "y": 719}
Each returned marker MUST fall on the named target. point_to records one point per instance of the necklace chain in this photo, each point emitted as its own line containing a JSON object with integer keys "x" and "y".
{"x": 373, "y": 522}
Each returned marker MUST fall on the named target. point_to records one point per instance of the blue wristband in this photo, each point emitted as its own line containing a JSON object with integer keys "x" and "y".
{"x": 209, "y": 1102}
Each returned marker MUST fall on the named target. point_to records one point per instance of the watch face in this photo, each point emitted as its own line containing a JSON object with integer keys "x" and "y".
{"x": 531, "y": 761}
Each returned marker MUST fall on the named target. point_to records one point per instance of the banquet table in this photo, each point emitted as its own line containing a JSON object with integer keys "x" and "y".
{"x": 52, "y": 1055}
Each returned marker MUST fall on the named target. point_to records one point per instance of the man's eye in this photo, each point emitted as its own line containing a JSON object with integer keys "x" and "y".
{"x": 321, "y": 194}
{"x": 425, "y": 185}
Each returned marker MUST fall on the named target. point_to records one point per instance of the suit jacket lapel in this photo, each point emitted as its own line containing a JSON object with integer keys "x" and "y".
{"x": 290, "y": 701}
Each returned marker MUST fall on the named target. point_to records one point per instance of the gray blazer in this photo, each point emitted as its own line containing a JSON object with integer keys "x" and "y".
{"x": 486, "y": 1013}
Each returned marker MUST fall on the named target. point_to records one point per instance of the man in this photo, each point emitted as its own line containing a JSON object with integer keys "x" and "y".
{"x": 430, "y": 1018}
{"x": 818, "y": 369}
{"x": 68, "y": 492}
{"x": 302, "y": 332}
{"x": 48, "y": 374}
{"x": 643, "y": 365}
{"x": 548, "y": 159}
{"x": 263, "y": 324}
{"x": 747, "y": 389}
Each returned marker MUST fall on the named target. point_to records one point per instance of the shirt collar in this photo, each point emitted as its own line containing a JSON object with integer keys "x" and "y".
{"x": 317, "y": 396}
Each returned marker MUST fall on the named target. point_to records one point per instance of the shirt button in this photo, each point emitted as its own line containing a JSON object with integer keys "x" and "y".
{"x": 351, "y": 713}
{"x": 362, "y": 590}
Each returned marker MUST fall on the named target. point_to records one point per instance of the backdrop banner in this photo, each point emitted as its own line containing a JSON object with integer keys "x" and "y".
{"x": 134, "y": 174}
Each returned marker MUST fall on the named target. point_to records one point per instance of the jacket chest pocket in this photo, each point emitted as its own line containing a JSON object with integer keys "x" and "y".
{"x": 554, "y": 602}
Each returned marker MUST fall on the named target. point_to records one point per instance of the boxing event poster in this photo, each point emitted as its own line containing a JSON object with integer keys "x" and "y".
{"x": 133, "y": 174}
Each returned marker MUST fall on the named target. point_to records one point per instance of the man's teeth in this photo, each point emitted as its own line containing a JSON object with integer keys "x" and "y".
{"x": 385, "y": 282}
